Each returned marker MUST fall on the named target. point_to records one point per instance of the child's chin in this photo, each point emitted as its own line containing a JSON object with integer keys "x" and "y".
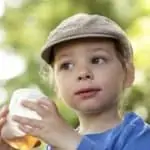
{"x": 95, "y": 105}
{"x": 92, "y": 109}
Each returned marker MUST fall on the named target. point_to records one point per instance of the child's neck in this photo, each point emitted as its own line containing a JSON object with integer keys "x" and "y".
{"x": 98, "y": 123}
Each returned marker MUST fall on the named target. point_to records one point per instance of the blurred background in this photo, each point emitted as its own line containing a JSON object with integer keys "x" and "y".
{"x": 25, "y": 25}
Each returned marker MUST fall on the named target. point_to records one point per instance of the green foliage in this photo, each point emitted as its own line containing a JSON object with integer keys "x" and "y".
{"x": 27, "y": 29}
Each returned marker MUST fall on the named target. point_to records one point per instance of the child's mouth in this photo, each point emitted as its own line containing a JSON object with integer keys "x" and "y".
{"x": 87, "y": 92}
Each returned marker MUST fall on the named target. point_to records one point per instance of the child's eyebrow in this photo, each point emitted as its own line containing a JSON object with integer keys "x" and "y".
{"x": 98, "y": 49}
{"x": 60, "y": 56}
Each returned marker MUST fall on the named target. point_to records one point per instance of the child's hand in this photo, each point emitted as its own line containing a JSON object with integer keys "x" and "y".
{"x": 52, "y": 129}
{"x": 3, "y": 114}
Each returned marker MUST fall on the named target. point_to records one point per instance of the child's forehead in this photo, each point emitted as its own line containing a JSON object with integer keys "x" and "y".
{"x": 90, "y": 44}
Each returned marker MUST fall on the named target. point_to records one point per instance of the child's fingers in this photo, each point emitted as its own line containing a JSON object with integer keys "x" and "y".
{"x": 29, "y": 122}
{"x": 4, "y": 111}
{"x": 35, "y": 107}
{"x": 48, "y": 104}
{"x": 2, "y": 122}
{"x": 45, "y": 102}
{"x": 31, "y": 131}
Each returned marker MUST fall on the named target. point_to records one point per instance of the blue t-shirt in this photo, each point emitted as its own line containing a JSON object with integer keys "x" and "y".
{"x": 132, "y": 134}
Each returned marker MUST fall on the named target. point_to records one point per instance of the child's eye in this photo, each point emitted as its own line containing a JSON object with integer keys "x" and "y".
{"x": 66, "y": 66}
{"x": 98, "y": 60}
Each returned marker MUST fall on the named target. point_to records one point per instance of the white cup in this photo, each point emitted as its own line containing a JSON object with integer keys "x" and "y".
{"x": 10, "y": 129}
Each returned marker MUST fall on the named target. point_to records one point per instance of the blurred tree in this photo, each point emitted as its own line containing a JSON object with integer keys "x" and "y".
{"x": 28, "y": 26}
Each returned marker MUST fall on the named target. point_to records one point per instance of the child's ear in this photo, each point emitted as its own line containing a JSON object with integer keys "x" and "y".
{"x": 130, "y": 75}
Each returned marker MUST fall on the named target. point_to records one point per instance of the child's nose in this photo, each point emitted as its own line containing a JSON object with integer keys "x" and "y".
{"x": 85, "y": 74}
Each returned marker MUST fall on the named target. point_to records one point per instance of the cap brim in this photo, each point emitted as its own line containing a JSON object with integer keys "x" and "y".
{"x": 47, "y": 49}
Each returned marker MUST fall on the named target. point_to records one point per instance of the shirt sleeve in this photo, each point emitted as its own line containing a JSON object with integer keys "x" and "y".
{"x": 137, "y": 140}
{"x": 141, "y": 141}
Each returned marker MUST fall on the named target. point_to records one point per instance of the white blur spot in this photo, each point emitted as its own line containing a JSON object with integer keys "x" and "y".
{"x": 3, "y": 95}
{"x": 14, "y": 3}
{"x": 2, "y": 8}
{"x": 2, "y": 83}
{"x": 11, "y": 65}
{"x": 139, "y": 77}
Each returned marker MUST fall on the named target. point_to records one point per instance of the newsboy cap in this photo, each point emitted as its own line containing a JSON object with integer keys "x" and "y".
{"x": 84, "y": 25}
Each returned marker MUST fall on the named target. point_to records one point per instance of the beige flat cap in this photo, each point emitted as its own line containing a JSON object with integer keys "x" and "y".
{"x": 84, "y": 25}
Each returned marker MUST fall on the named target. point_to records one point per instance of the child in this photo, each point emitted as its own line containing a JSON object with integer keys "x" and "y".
{"x": 92, "y": 63}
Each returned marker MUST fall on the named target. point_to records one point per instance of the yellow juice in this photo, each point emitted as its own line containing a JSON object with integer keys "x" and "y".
{"x": 24, "y": 143}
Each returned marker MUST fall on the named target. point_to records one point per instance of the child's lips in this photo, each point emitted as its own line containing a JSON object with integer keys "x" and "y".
{"x": 87, "y": 92}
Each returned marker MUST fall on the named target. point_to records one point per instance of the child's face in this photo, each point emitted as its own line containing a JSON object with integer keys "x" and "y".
{"x": 88, "y": 74}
